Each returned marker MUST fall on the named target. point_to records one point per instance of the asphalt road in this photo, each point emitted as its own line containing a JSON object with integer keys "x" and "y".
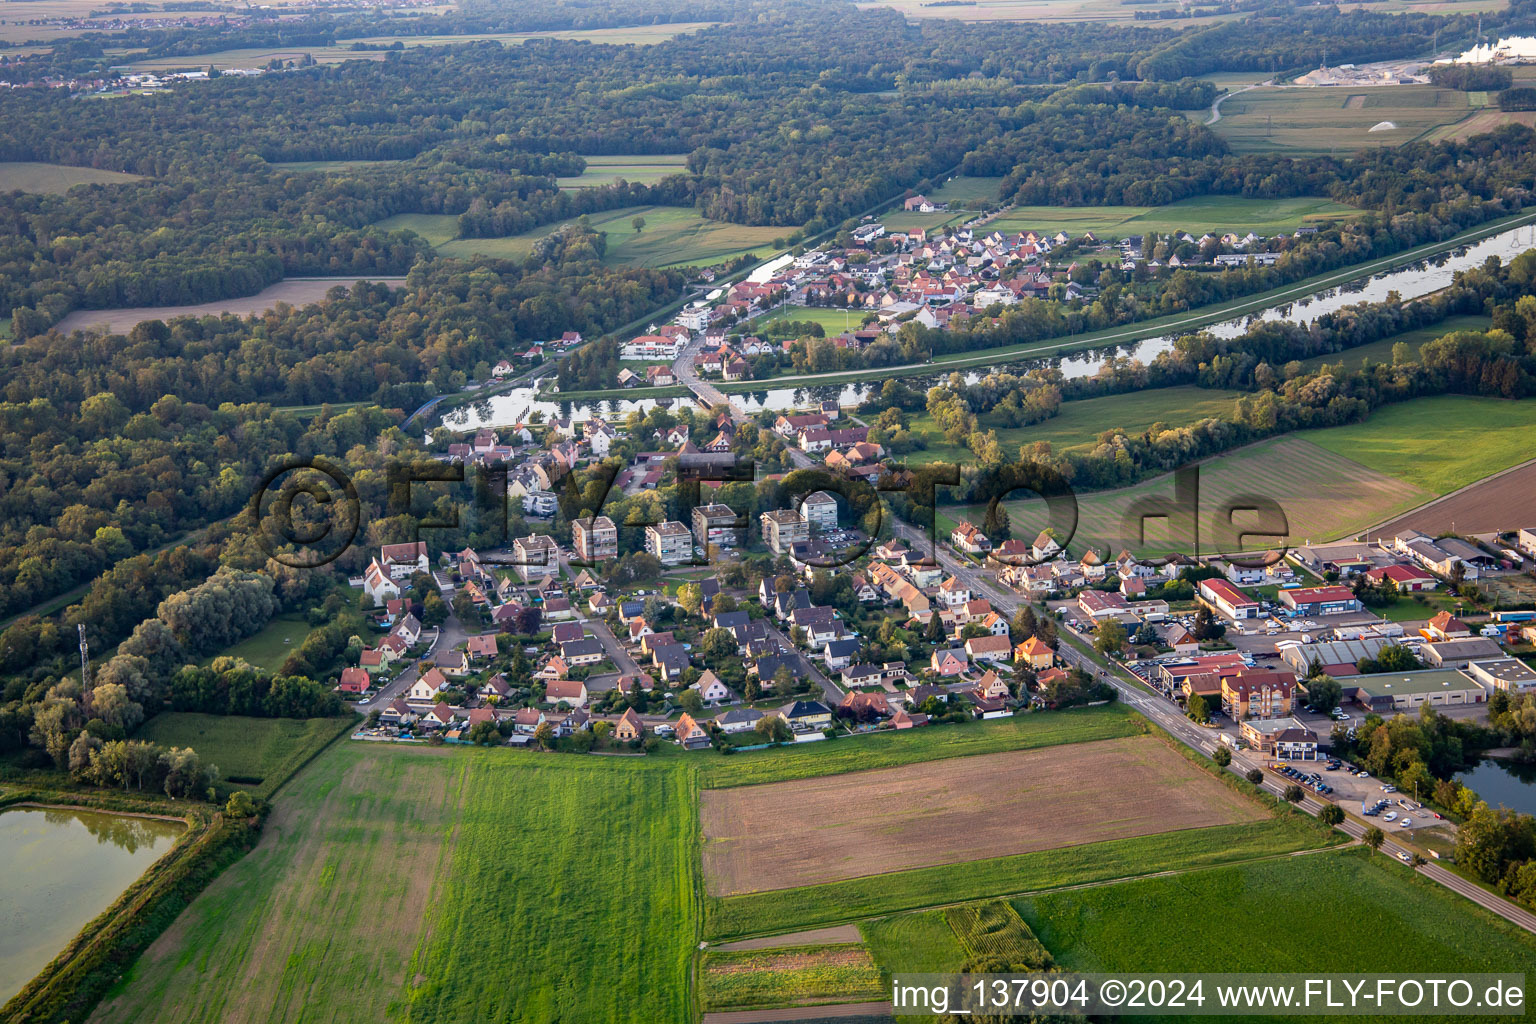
{"x": 1181, "y": 728}
{"x": 829, "y": 690}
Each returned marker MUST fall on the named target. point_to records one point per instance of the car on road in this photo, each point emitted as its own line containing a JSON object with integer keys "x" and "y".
{"x": 1404, "y": 857}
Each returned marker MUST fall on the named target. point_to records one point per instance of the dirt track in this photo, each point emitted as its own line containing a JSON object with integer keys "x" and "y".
{"x": 805, "y": 832}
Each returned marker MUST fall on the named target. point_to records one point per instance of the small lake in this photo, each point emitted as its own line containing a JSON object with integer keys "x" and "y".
{"x": 1503, "y": 783}
{"x": 62, "y": 868}
{"x": 1410, "y": 281}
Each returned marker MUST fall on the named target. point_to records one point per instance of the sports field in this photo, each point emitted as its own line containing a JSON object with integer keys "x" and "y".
{"x": 1359, "y": 912}
{"x": 254, "y": 754}
{"x": 1324, "y": 495}
{"x": 1198, "y": 215}
{"x": 55, "y": 179}
{"x": 604, "y": 170}
{"x": 1336, "y": 120}
{"x": 812, "y": 831}
{"x": 672, "y": 236}
{"x": 410, "y": 884}
{"x": 833, "y": 321}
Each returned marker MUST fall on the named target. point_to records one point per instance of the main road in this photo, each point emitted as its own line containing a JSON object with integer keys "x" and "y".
{"x": 1075, "y": 652}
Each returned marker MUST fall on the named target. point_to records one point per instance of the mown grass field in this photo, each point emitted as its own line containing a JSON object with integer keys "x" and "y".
{"x": 436, "y": 228}
{"x": 416, "y": 884}
{"x": 673, "y": 236}
{"x": 255, "y": 754}
{"x": 269, "y": 648}
{"x": 856, "y": 899}
{"x": 1323, "y": 493}
{"x": 604, "y": 170}
{"x": 797, "y": 976}
{"x": 921, "y": 941}
{"x": 888, "y": 749}
{"x": 1196, "y": 215}
{"x": 1079, "y": 423}
{"x": 1347, "y": 909}
{"x": 1329, "y": 119}
{"x": 1381, "y": 351}
{"x": 55, "y": 179}
{"x": 1439, "y": 443}
{"x": 833, "y": 321}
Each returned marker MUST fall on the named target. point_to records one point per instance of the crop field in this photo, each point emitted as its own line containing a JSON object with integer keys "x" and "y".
{"x": 995, "y": 929}
{"x": 673, "y": 236}
{"x": 256, "y": 754}
{"x": 812, "y": 831}
{"x": 1439, "y": 443}
{"x": 295, "y": 292}
{"x": 1028, "y": 10}
{"x": 55, "y": 179}
{"x": 795, "y": 976}
{"x": 604, "y": 170}
{"x": 1381, "y": 351}
{"x": 857, "y": 899}
{"x": 1328, "y": 119}
{"x": 1368, "y": 912}
{"x": 888, "y": 749}
{"x": 1079, "y": 423}
{"x": 1323, "y": 495}
{"x": 1196, "y": 215}
{"x": 400, "y": 883}
{"x": 333, "y": 166}
{"x": 1481, "y": 122}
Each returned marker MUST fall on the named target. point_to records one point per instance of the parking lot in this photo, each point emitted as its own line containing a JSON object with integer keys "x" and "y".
{"x": 1350, "y": 791}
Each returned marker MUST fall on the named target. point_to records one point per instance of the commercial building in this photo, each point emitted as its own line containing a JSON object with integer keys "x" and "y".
{"x": 595, "y": 538}
{"x": 1337, "y": 657}
{"x": 1258, "y": 694}
{"x": 782, "y": 528}
{"x": 1401, "y": 691}
{"x": 1320, "y": 600}
{"x": 1284, "y": 738}
{"x": 671, "y": 542}
{"x": 1508, "y": 674}
{"x": 1460, "y": 653}
{"x": 1228, "y": 600}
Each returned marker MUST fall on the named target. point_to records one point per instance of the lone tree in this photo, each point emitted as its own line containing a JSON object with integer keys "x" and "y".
{"x": 1374, "y": 837}
{"x": 1200, "y": 712}
{"x": 1293, "y": 794}
{"x": 638, "y": 224}
{"x": 1222, "y": 757}
{"x": 1111, "y": 638}
{"x": 1333, "y": 814}
{"x": 1254, "y": 776}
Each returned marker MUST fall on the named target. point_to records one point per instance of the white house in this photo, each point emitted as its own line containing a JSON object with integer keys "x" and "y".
{"x": 378, "y": 585}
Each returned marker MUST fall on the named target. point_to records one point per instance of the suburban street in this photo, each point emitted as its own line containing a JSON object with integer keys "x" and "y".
{"x": 1168, "y": 718}
{"x": 829, "y": 690}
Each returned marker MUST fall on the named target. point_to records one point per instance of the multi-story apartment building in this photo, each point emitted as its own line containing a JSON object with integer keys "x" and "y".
{"x": 595, "y": 538}
{"x": 716, "y": 524}
{"x": 671, "y": 542}
{"x": 782, "y": 528}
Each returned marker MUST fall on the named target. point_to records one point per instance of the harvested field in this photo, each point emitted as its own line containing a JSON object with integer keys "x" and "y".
{"x": 55, "y": 179}
{"x": 295, "y": 292}
{"x": 1484, "y": 507}
{"x": 787, "y": 834}
{"x": 780, "y": 977}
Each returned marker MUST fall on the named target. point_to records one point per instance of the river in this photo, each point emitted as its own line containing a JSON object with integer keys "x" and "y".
{"x": 1410, "y": 281}
{"x": 1503, "y": 784}
{"x": 62, "y": 868}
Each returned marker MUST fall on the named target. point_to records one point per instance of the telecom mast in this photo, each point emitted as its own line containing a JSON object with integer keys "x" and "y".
{"x": 85, "y": 660}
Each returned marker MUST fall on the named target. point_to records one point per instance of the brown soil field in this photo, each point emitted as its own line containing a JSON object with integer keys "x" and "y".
{"x": 788, "y": 834}
{"x": 1495, "y": 504}
{"x": 295, "y": 292}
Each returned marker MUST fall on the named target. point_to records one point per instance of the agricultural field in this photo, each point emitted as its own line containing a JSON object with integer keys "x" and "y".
{"x": 1367, "y": 911}
{"x": 1483, "y": 507}
{"x": 1336, "y": 120}
{"x": 270, "y": 647}
{"x": 888, "y": 749}
{"x": 1381, "y": 351}
{"x": 436, "y": 228}
{"x": 1323, "y": 494}
{"x": 995, "y": 930}
{"x": 813, "y": 831}
{"x": 297, "y": 291}
{"x": 1438, "y": 444}
{"x": 962, "y": 194}
{"x": 647, "y": 170}
{"x": 255, "y": 754}
{"x": 1196, "y": 215}
{"x": 858, "y": 899}
{"x": 673, "y": 236}
{"x": 791, "y": 976}
{"x": 55, "y": 179}
{"x": 921, "y": 941}
{"x": 395, "y": 883}
{"x": 1079, "y": 423}
{"x": 332, "y": 166}
{"x": 1029, "y": 10}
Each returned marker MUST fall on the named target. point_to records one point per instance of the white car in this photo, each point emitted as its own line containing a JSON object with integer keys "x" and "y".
{"x": 1389, "y": 816}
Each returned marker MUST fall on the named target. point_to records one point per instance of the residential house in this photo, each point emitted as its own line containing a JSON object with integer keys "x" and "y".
{"x": 586, "y": 651}
{"x": 807, "y": 714}
{"x": 670, "y": 661}
{"x": 482, "y": 646}
{"x": 527, "y": 720}
{"x": 967, "y": 538}
{"x": 1034, "y": 655}
{"x": 567, "y": 691}
{"x": 404, "y": 560}
{"x": 629, "y": 728}
{"x": 949, "y": 662}
{"x": 354, "y": 680}
{"x": 690, "y": 734}
{"x": 712, "y": 689}
{"x": 738, "y": 720}
{"x": 379, "y": 585}
{"x": 427, "y": 687}
{"x": 839, "y": 654}
{"x": 988, "y": 648}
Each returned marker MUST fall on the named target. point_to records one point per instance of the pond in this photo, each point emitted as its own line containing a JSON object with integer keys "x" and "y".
{"x": 63, "y": 867}
{"x": 1410, "y": 282}
{"x": 1503, "y": 783}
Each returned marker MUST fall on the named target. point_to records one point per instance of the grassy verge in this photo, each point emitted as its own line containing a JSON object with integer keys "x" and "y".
{"x": 887, "y": 749}
{"x": 255, "y": 754}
